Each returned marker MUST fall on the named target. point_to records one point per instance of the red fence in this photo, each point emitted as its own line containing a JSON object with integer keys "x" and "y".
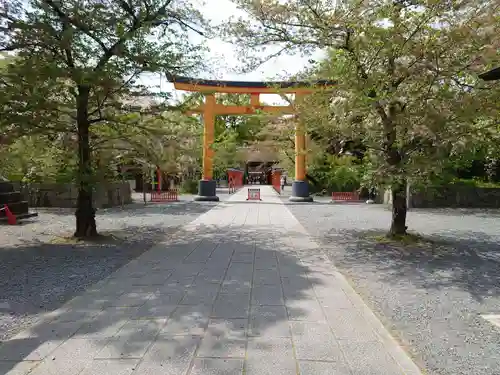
{"x": 235, "y": 178}
{"x": 276, "y": 181}
{"x": 345, "y": 196}
{"x": 165, "y": 196}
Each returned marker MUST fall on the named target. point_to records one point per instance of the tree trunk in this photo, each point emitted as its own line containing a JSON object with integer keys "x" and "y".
{"x": 398, "y": 222}
{"x": 85, "y": 212}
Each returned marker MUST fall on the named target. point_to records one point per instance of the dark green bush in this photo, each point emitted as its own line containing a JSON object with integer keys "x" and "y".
{"x": 189, "y": 187}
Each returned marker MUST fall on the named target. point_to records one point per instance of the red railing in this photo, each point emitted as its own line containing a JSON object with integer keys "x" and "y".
{"x": 345, "y": 196}
{"x": 276, "y": 181}
{"x": 171, "y": 195}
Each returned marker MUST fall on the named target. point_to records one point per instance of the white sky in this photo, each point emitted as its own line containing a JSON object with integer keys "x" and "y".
{"x": 277, "y": 69}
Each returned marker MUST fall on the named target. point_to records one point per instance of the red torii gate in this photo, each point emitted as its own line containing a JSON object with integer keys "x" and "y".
{"x": 210, "y": 109}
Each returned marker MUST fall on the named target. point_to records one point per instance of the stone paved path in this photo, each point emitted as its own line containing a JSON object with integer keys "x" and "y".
{"x": 237, "y": 291}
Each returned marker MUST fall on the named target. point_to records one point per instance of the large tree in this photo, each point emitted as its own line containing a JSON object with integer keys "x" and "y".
{"x": 405, "y": 73}
{"x": 80, "y": 60}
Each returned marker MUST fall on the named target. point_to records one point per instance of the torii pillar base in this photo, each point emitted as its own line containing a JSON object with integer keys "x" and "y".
{"x": 300, "y": 192}
{"x": 207, "y": 191}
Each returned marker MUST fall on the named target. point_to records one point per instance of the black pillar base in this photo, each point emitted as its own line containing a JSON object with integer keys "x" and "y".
{"x": 207, "y": 191}
{"x": 300, "y": 192}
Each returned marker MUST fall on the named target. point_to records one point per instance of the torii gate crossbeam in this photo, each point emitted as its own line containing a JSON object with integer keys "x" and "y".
{"x": 210, "y": 109}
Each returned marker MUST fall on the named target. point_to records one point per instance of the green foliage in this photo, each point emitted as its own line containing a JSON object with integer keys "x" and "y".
{"x": 189, "y": 186}
{"x": 336, "y": 173}
{"x": 406, "y": 84}
{"x": 35, "y": 159}
{"x": 78, "y": 67}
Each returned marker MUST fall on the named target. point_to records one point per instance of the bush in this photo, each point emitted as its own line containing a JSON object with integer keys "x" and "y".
{"x": 335, "y": 173}
{"x": 189, "y": 187}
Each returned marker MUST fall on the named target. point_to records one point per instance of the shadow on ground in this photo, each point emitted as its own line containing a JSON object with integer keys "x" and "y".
{"x": 472, "y": 263}
{"x": 171, "y": 295}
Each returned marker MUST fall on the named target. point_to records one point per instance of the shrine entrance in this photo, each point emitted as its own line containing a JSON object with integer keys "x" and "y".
{"x": 210, "y": 109}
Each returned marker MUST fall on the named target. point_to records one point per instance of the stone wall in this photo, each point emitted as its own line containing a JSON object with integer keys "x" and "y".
{"x": 464, "y": 196}
{"x": 65, "y": 195}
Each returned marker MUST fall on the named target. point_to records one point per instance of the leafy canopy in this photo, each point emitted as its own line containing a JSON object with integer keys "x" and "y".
{"x": 405, "y": 72}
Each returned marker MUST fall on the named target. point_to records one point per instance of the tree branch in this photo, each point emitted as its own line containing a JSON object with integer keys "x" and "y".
{"x": 77, "y": 24}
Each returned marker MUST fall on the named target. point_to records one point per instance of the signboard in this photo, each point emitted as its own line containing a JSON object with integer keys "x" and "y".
{"x": 253, "y": 195}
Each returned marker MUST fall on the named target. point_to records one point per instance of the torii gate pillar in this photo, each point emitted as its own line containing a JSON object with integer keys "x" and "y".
{"x": 300, "y": 187}
{"x": 207, "y": 186}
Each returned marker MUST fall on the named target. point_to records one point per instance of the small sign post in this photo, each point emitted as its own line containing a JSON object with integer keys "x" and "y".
{"x": 254, "y": 195}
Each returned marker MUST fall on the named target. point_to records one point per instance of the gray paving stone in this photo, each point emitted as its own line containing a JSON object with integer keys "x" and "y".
{"x": 54, "y": 330}
{"x": 266, "y": 263}
{"x": 161, "y": 298}
{"x": 70, "y": 358}
{"x": 238, "y": 277}
{"x": 187, "y": 269}
{"x": 222, "y": 347}
{"x": 323, "y": 368}
{"x": 210, "y": 277}
{"x": 187, "y": 320}
{"x": 348, "y": 324}
{"x": 305, "y": 309}
{"x": 336, "y": 299}
{"x": 266, "y": 277}
{"x": 152, "y": 279}
{"x": 176, "y": 282}
{"x": 296, "y": 284}
{"x": 131, "y": 300}
{"x": 314, "y": 341}
{"x": 17, "y": 368}
{"x": 265, "y": 254}
{"x": 203, "y": 294}
{"x": 369, "y": 357}
{"x": 111, "y": 366}
{"x": 267, "y": 295}
{"x": 132, "y": 340}
{"x": 270, "y": 357}
{"x": 106, "y": 324}
{"x": 231, "y": 306}
{"x": 28, "y": 349}
{"x": 212, "y": 366}
{"x": 242, "y": 257}
{"x": 169, "y": 355}
{"x": 242, "y": 269}
{"x": 269, "y": 321}
{"x": 291, "y": 270}
{"x": 91, "y": 302}
{"x": 235, "y": 286}
{"x": 233, "y": 328}
{"x": 154, "y": 311}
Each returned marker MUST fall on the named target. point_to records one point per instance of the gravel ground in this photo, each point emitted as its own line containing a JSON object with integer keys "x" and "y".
{"x": 431, "y": 296}
{"x": 39, "y": 270}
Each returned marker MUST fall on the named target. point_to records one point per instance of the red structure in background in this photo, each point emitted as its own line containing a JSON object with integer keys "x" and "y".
{"x": 276, "y": 180}
{"x": 235, "y": 178}
{"x": 345, "y": 196}
{"x": 165, "y": 196}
